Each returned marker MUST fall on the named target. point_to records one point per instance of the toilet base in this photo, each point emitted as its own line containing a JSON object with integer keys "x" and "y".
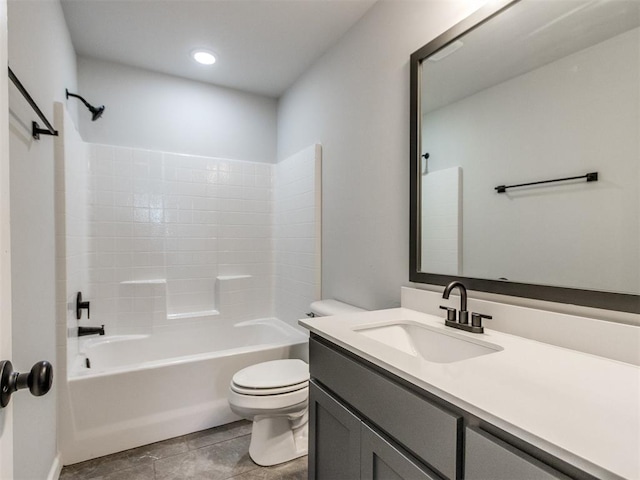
{"x": 279, "y": 439}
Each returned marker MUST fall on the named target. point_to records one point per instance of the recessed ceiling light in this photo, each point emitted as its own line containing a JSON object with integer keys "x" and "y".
{"x": 204, "y": 57}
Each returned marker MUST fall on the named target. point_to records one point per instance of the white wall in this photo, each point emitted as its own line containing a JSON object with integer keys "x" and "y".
{"x": 41, "y": 55}
{"x": 581, "y": 235}
{"x": 160, "y": 112}
{"x": 355, "y": 102}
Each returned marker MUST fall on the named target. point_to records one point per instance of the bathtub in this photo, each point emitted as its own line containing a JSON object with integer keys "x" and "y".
{"x": 130, "y": 390}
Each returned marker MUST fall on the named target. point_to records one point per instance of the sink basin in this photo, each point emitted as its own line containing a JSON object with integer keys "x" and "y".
{"x": 431, "y": 344}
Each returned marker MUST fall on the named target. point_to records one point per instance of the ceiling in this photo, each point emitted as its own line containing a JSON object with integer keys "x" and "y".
{"x": 262, "y": 46}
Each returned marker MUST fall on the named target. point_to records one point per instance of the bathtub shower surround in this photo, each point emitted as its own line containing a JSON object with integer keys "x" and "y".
{"x": 297, "y": 225}
{"x": 176, "y": 222}
{"x": 177, "y": 255}
{"x": 72, "y": 213}
{"x": 142, "y": 389}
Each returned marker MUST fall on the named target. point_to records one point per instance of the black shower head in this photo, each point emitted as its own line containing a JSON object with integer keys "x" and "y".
{"x": 96, "y": 113}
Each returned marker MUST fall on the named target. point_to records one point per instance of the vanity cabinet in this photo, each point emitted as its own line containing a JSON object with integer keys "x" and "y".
{"x": 381, "y": 459}
{"x": 382, "y": 426}
{"x": 366, "y": 423}
{"x": 342, "y": 446}
{"x": 489, "y": 457}
{"x": 334, "y": 445}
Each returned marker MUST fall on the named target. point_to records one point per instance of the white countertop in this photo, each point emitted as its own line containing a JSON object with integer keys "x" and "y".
{"x": 579, "y": 407}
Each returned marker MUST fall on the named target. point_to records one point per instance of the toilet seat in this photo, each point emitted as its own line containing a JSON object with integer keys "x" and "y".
{"x": 268, "y": 391}
{"x": 271, "y": 378}
{"x": 275, "y": 405}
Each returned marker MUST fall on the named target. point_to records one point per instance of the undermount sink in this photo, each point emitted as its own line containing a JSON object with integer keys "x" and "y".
{"x": 431, "y": 344}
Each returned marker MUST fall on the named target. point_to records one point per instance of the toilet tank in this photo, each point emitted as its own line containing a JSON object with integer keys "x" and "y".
{"x": 325, "y": 308}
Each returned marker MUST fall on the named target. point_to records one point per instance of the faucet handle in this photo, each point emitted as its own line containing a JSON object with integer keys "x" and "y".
{"x": 451, "y": 313}
{"x": 80, "y": 305}
{"x": 476, "y": 319}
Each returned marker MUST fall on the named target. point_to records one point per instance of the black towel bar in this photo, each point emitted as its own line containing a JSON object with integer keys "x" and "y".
{"x": 36, "y": 131}
{"x": 591, "y": 177}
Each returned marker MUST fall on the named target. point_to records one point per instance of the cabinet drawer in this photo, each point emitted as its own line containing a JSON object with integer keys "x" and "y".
{"x": 426, "y": 430}
{"x": 489, "y": 457}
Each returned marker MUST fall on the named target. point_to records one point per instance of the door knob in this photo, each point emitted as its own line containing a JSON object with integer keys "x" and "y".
{"x": 38, "y": 380}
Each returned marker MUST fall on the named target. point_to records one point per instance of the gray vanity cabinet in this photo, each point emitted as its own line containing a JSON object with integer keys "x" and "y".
{"x": 489, "y": 457}
{"x": 416, "y": 426}
{"x": 366, "y": 423}
{"x": 381, "y": 459}
{"x": 342, "y": 446}
{"x": 334, "y": 440}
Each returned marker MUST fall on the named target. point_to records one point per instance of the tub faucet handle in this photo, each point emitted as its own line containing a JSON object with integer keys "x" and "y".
{"x": 80, "y": 305}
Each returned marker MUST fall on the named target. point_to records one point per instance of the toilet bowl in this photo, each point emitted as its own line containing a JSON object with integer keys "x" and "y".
{"x": 274, "y": 395}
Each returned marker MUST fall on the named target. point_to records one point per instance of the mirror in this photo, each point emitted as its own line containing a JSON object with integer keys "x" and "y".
{"x": 525, "y": 153}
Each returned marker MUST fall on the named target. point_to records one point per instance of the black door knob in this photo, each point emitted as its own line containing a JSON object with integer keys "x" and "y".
{"x": 38, "y": 380}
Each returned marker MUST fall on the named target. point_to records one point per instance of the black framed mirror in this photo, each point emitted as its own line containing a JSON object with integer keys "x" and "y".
{"x": 543, "y": 97}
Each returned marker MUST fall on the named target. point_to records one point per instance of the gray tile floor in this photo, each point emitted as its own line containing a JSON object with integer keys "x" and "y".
{"x": 218, "y": 453}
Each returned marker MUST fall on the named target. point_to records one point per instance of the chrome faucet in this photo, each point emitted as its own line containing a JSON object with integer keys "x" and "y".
{"x": 462, "y": 321}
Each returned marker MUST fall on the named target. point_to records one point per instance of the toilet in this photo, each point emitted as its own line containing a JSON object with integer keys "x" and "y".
{"x": 275, "y": 396}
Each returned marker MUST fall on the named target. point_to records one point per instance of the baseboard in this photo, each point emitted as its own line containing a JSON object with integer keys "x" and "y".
{"x": 56, "y": 468}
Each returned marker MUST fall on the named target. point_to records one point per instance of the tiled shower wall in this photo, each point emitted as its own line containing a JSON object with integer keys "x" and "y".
{"x": 180, "y": 224}
{"x": 72, "y": 211}
{"x": 297, "y": 220}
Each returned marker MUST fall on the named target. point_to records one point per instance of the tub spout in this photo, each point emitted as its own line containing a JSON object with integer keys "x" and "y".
{"x": 82, "y": 331}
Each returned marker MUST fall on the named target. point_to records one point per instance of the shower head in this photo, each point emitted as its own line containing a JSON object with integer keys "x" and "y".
{"x": 96, "y": 112}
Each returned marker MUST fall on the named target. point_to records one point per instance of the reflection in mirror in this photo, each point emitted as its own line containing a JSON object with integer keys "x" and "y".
{"x": 540, "y": 91}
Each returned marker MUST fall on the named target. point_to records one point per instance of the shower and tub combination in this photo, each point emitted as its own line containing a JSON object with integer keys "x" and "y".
{"x": 144, "y": 388}
{"x": 197, "y": 267}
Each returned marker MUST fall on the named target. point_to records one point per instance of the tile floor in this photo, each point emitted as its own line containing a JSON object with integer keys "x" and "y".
{"x": 217, "y": 453}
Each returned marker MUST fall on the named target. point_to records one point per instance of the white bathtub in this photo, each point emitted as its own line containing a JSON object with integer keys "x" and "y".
{"x": 146, "y": 388}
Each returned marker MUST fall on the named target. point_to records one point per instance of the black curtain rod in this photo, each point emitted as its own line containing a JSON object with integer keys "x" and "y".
{"x": 591, "y": 177}
{"x": 36, "y": 131}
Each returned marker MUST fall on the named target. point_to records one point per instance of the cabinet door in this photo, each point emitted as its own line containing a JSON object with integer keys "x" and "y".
{"x": 334, "y": 438}
{"x": 381, "y": 460}
{"x": 423, "y": 428}
{"x": 487, "y": 457}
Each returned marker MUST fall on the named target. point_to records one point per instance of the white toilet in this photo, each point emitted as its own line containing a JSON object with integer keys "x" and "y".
{"x": 275, "y": 396}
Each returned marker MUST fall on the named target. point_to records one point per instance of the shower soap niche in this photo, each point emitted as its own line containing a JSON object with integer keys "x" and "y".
{"x": 234, "y": 294}
{"x": 200, "y": 314}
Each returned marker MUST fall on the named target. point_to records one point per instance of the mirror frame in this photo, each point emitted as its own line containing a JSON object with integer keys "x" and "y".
{"x": 622, "y": 302}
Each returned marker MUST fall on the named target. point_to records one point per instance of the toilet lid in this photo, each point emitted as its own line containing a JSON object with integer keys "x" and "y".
{"x": 273, "y": 374}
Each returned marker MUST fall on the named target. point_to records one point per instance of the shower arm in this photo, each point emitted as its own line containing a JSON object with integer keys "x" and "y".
{"x": 96, "y": 112}
{"x": 87, "y": 104}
